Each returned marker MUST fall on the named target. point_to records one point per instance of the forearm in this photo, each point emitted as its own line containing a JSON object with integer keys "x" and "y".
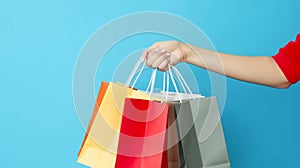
{"x": 261, "y": 69}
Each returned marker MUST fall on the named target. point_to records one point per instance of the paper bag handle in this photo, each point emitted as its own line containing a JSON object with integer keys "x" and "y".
{"x": 182, "y": 82}
{"x": 133, "y": 72}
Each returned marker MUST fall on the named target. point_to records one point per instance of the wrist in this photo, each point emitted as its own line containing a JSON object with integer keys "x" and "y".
{"x": 187, "y": 52}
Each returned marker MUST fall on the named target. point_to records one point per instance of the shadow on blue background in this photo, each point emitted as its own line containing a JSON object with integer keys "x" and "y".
{"x": 39, "y": 44}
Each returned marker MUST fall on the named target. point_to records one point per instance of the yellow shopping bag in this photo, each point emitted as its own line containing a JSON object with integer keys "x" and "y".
{"x": 99, "y": 148}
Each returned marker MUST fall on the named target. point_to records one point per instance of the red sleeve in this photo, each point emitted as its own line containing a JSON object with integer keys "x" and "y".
{"x": 288, "y": 59}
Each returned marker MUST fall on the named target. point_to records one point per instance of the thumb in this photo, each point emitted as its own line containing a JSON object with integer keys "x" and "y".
{"x": 175, "y": 57}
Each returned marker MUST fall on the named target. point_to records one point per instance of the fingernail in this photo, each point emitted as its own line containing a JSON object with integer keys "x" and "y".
{"x": 163, "y": 50}
{"x": 156, "y": 49}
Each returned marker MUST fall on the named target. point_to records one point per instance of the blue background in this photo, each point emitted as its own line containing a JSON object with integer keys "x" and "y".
{"x": 39, "y": 44}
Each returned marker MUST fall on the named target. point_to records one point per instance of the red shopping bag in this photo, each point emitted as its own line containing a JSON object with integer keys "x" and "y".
{"x": 143, "y": 135}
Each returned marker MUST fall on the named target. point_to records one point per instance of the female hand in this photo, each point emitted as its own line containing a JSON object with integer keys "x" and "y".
{"x": 162, "y": 54}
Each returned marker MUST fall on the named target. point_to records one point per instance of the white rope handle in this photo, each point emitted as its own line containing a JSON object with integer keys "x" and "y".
{"x": 165, "y": 90}
{"x": 150, "y": 82}
{"x": 174, "y": 84}
{"x": 168, "y": 84}
{"x": 138, "y": 76}
{"x": 164, "y": 87}
{"x": 137, "y": 65}
{"x": 180, "y": 77}
{"x": 180, "y": 82}
{"x": 153, "y": 77}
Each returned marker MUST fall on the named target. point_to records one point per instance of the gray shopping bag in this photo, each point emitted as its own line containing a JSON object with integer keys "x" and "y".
{"x": 202, "y": 142}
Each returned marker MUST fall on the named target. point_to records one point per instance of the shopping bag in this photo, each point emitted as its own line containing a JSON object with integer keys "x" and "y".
{"x": 101, "y": 143}
{"x": 99, "y": 148}
{"x": 142, "y": 143}
{"x": 143, "y": 134}
{"x": 201, "y": 134}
